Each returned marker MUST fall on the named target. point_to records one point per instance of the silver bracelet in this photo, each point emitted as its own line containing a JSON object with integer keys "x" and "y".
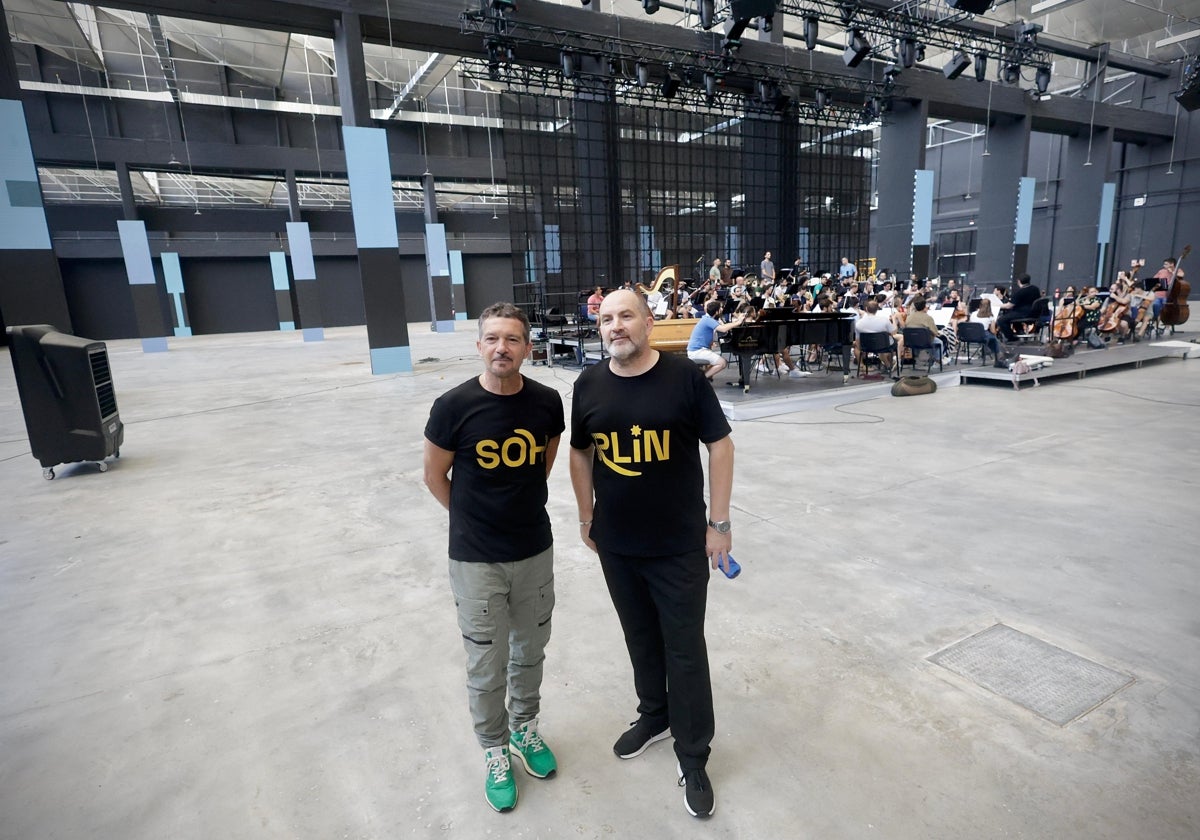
{"x": 581, "y": 522}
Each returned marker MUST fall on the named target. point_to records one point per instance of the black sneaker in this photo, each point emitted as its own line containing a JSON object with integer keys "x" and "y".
{"x": 640, "y": 735}
{"x": 698, "y": 795}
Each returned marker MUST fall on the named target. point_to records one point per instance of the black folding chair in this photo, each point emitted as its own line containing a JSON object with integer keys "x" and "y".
{"x": 969, "y": 333}
{"x": 874, "y": 346}
{"x": 919, "y": 339}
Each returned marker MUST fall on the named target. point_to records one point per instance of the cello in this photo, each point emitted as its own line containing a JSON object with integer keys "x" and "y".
{"x": 1066, "y": 320}
{"x": 1175, "y": 310}
{"x": 1115, "y": 311}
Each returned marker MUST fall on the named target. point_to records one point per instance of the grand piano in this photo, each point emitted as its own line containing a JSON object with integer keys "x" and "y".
{"x": 776, "y": 329}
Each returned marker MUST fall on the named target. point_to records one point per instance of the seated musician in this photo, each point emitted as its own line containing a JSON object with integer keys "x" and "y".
{"x": 1141, "y": 309}
{"x": 920, "y": 318}
{"x": 1019, "y": 306}
{"x": 699, "y": 347}
{"x": 1162, "y": 287}
{"x": 871, "y": 320}
{"x": 1091, "y": 303}
{"x": 593, "y": 304}
{"x": 983, "y": 315}
{"x": 1116, "y": 318}
{"x": 949, "y": 332}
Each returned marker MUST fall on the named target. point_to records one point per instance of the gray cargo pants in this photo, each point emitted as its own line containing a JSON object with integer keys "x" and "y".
{"x": 504, "y": 612}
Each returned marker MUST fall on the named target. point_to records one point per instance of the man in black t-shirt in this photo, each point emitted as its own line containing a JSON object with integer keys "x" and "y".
{"x": 637, "y": 422}
{"x": 489, "y": 447}
{"x": 1020, "y": 305}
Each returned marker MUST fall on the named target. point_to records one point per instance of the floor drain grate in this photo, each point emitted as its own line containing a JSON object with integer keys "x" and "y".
{"x": 1046, "y": 680}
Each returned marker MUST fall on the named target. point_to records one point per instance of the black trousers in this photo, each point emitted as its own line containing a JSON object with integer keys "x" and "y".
{"x": 661, "y": 603}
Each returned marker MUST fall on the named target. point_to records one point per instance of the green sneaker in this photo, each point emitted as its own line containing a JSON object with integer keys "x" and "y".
{"x": 499, "y": 788}
{"x": 527, "y": 745}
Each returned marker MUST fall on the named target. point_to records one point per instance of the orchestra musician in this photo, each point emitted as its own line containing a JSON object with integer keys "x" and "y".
{"x": 1115, "y": 317}
{"x": 1091, "y": 304}
{"x": 699, "y": 348}
{"x": 1164, "y": 277}
{"x": 1141, "y": 309}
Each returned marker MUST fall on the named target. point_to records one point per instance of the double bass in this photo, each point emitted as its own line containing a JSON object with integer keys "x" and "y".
{"x": 1175, "y": 310}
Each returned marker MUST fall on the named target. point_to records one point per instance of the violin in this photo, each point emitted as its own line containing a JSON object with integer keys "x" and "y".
{"x": 1175, "y": 310}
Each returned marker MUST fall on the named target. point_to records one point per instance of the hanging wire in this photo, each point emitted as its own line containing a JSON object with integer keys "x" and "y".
{"x": 313, "y": 102}
{"x": 487, "y": 111}
{"x": 1174, "y": 133}
{"x": 1091, "y": 132}
{"x": 987, "y": 122}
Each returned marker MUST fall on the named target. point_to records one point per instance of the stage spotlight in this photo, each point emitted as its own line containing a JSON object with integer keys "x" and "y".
{"x": 907, "y": 51}
{"x": 567, "y": 58}
{"x": 1010, "y": 74}
{"x": 956, "y": 66}
{"x": 821, "y": 99}
{"x": 1027, "y": 33}
{"x": 707, "y": 13}
{"x": 971, "y": 7}
{"x": 768, "y": 23}
{"x": 733, "y": 37}
{"x": 650, "y": 6}
{"x": 857, "y": 48}
{"x": 670, "y": 85}
{"x": 763, "y": 88}
{"x": 504, "y": 5}
{"x": 811, "y": 30}
{"x": 585, "y": 2}
{"x": 642, "y": 72}
{"x": 889, "y": 76}
{"x": 980, "y": 66}
{"x": 710, "y": 85}
{"x": 1042, "y": 79}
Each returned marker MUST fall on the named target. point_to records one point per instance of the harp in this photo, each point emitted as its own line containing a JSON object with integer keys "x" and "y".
{"x": 669, "y": 272}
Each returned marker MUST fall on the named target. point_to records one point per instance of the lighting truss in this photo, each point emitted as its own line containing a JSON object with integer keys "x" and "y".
{"x": 893, "y": 29}
{"x": 611, "y": 63}
{"x": 820, "y": 109}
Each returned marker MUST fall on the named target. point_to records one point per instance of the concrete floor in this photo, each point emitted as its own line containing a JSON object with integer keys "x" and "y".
{"x": 243, "y": 629}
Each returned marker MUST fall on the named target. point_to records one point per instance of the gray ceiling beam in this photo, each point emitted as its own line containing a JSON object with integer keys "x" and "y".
{"x": 434, "y": 26}
{"x": 243, "y": 160}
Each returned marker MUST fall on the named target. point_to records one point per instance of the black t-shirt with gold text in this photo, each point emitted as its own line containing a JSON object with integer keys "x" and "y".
{"x": 646, "y": 469}
{"x": 498, "y": 481}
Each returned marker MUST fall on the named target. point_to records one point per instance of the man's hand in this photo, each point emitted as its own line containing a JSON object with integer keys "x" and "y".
{"x": 585, "y": 532}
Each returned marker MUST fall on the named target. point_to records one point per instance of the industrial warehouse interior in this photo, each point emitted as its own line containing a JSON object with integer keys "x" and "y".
{"x": 228, "y": 611}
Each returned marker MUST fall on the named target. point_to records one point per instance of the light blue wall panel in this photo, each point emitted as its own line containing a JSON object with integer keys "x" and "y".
{"x": 300, "y": 244}
{"x": 1108, "y": 196}
{"x": 173, "y": 275}
{"x": 135, "y": 247}
{"x": 279, "y": 272}
{"x": 370, "y": 175}
{"x": 22, "y": 218}
{"x": 922, "y": 232}
{"x": 1024, "y": 227}
{"x": 435, "y": 250}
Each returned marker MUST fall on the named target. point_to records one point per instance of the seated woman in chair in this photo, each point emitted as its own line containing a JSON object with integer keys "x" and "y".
{"x": 983, "y": 315}
{"x": 949, "y": 332}
{"x": 1091, "y": 304}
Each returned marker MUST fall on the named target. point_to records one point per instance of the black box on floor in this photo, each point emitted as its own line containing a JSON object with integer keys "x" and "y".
{"x": 66, "y": 389}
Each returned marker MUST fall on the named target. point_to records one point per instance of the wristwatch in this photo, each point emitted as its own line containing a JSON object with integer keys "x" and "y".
{"x": 723, "y": 526}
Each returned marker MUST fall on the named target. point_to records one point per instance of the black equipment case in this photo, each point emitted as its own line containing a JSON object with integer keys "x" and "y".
{"x": 67, "y": 395}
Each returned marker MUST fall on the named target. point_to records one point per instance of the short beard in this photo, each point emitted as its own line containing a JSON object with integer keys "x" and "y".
{"x": 624, "y": 352}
